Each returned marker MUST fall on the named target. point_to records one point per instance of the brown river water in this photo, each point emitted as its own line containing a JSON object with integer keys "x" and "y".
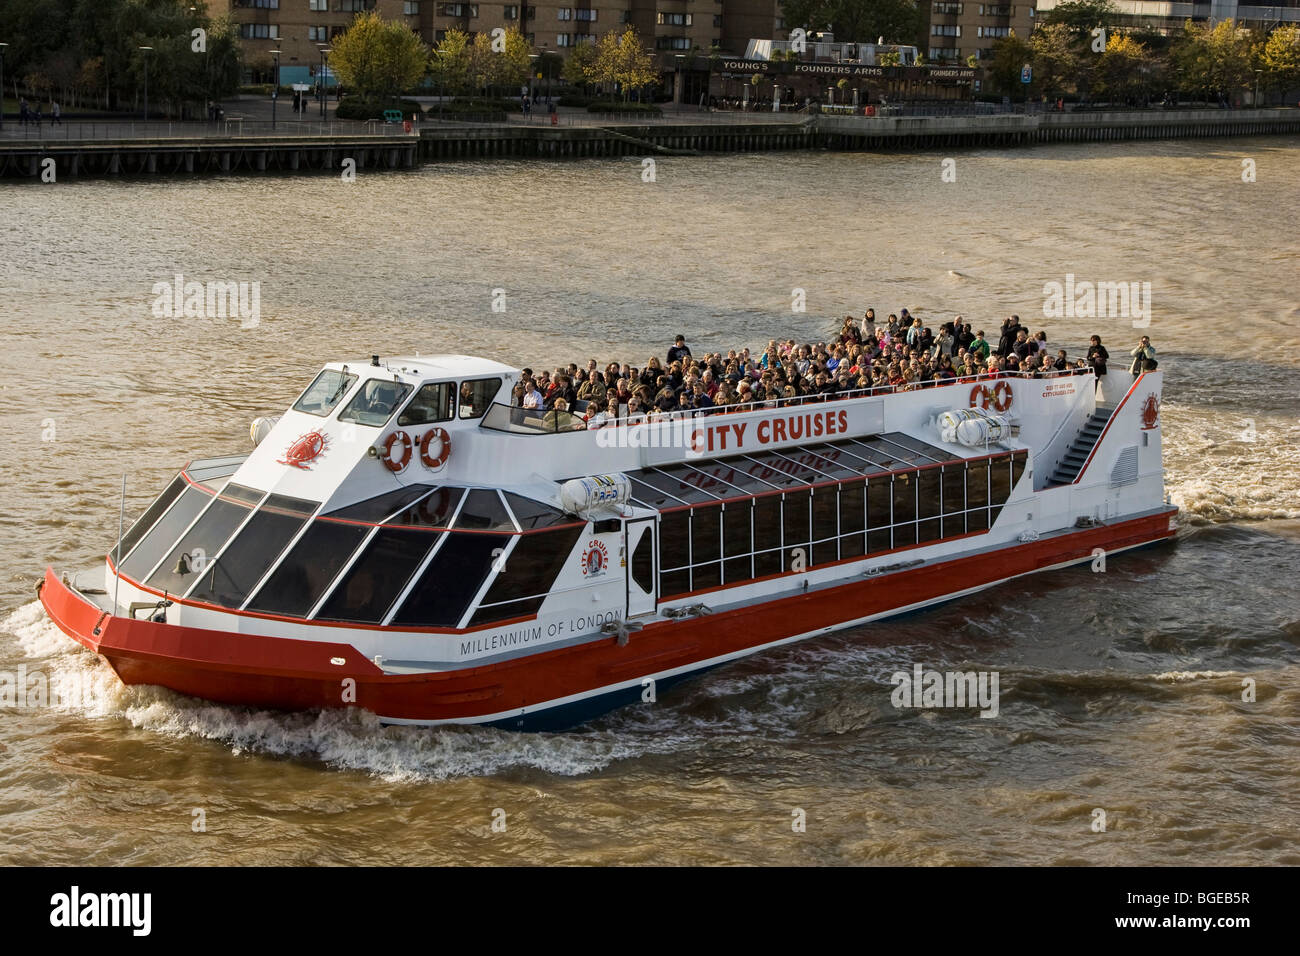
{"x": 1120, "y": 691}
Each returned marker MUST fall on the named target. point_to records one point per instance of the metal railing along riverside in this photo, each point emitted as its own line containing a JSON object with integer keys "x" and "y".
{"x": 227, "y": 129}
{"x": 540, "y": 421}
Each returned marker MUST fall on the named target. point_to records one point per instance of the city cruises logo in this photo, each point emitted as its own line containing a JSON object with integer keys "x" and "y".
{"x": 305, "y": 449}
{"x": 926, "y": 689}
{"x": 1085, "y": 299}
{"x": 1150, "y": 412}
{"x": 595, "y": 560}
{"x": 227, "y": 299}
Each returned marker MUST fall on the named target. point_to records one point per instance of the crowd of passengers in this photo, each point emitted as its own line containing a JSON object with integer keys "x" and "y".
{"x": 899, "y": 354}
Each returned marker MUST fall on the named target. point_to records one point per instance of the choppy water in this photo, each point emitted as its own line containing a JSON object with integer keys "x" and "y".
{"x": 1119, "y": 691}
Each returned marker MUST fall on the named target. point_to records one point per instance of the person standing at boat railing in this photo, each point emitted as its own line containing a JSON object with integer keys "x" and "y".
{"x": 1144, "y": 357}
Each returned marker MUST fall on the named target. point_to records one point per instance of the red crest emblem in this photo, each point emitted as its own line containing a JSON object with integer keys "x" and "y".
{"x": 306, "y": 449}
{"x": 595, "y": 560}
{"x": 1150, "y": 412}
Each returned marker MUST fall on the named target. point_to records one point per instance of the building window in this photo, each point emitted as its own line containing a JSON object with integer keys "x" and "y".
{"x": 672, "y": 43}
{"x": 352, "y": 6}
{"x": 510, "y": 13}
{"x": 458, "y": 10}
{"x": 259, "y": 31}
{"x": 564, "y": 39}
{"x": 997, "y": 10}
{"x": 674, "y": 19}
{"x": 259, "y": 4}
{"x": 717, "y": 19}
{"x": 564, "y": 13}
{"x": 994, "y": 31}
{"x": 947, "y": 8}
{"x": 587, "y": 15}
{"x": 944, "y": 52}
{"x": 318, "y": 33}
{"x": 945, "y": 30}
{"x": 321, "y": 6}
{"x": 411, "y": 8}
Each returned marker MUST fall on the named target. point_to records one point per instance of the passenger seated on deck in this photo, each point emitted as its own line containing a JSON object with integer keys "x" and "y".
{"x": 560, "y": 419}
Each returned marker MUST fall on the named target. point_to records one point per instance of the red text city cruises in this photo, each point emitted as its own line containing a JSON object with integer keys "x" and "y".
{"x": 404, "y": 540}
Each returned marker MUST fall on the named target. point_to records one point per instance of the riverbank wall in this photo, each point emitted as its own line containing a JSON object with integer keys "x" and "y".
{"x": 57, "y": 159}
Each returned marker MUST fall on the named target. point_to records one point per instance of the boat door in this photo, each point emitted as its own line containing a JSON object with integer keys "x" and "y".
{"x": 639, "y": 552}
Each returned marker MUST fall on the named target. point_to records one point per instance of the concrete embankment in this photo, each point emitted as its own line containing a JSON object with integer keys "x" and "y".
{"x": 30, "y": 159}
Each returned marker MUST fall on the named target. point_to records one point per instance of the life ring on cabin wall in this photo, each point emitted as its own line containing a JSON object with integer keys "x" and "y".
{"x": 444, "y": 447}
{"x": 397, "y": 464}
{"x": 1002, "y": 396}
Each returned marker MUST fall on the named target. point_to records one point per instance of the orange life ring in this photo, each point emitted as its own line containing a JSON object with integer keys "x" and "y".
{"x": 976, "y": 392}
{"x": 407, "y": 445}
{"x": 444, "y": 441}
{"x": 1002, "y": 396}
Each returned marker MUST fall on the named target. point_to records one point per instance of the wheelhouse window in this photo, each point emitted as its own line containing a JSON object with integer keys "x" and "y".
{"x": 476, "y": 395}
{"x": 375, "y": 403}
{"x": 325, "y": 392}
{"x": 432, "y": 403}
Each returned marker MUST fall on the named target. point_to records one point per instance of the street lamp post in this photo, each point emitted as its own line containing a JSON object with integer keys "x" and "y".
{"x": 275, "y": 85}
{"x": 3, "y": 47}
{"x": 324, "y": 51}
{"x": 146, "y": 50}
{"x": 1255, "y": 101}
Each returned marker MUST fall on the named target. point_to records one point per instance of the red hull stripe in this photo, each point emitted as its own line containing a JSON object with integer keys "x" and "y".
{"x": 294, "y": 674}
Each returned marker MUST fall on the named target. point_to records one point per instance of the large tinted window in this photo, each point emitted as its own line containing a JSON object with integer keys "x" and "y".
{"x": 879, "y": 514}
{"x": 852, "y": 519}
{"x": 977, "y": 496}
{"x": 302, "y": 577}
{"x": 674, "y": 552}
{"x": 928, "y": 483}
{"x": 164, "y": 534}
{"x": 432, "y": 403}
{"x": 376, "y": 579}
{"x": 534, "y": 514}
{"x": 435, "y": 511}
{"x": 152, "y": 514}
{"x": 530, "y": 571}
{"x": 736, "y": 541}
{"x": 477, "y": 395}
{"x": 706, "y": 547}
{"x": 324, "y": 393}
{"x": 904, "y": 509}
{"x": 999, "y": 485}
{"x": 375, "y": 402}
{"x": 201, "y": 543}
{"x": 767, "y": 535}
{"x": 453, "y": 577}
{"x": 228, "y": 581}
{"x": 381, "y": 506}
{"x": 484, "y": 511}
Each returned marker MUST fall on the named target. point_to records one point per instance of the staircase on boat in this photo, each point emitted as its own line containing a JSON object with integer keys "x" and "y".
{"x": 1084, "y": 442}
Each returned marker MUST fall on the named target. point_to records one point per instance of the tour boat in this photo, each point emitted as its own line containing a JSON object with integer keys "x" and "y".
{"x": 404, "y": 540}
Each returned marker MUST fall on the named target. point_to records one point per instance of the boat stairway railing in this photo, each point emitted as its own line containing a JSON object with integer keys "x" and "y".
{"x": 1076, "y": 456}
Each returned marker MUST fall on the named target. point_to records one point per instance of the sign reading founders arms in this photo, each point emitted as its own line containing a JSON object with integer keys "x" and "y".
{"x": 713, "y": 436}
{"x": 768, "y": 68}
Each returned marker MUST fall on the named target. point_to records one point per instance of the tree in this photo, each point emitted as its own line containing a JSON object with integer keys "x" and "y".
{"x": 450, "y": 63}
{"x": 580, "y": 66}
{"x": 1281, "y": 59}
{"x": 1081, "y": 17}
{"x": 1010, "y": 53}
{"x": 621, "y": 62}
{"x": 1126, "y": 70}
{"x": 1219, "y": 59}
{"x": 378, "y": 57}
{"x": 860, "y": 21}
{"x": 1056, "y": 60}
